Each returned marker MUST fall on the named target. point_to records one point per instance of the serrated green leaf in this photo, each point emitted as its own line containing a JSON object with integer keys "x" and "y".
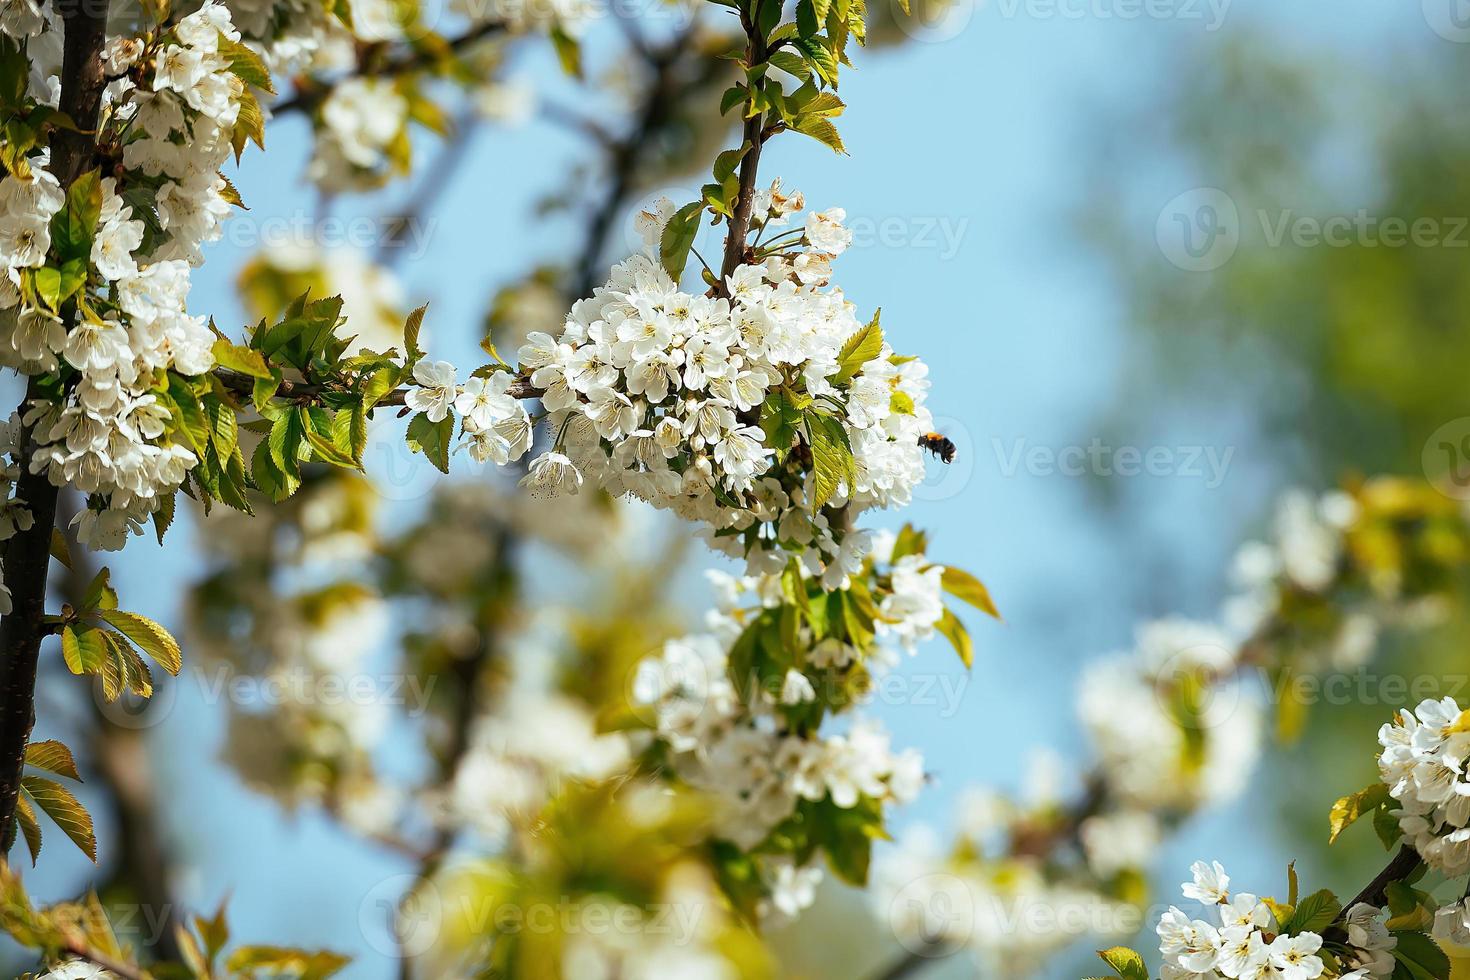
{"x": 73, "y": 226}
{"x": 432, "y": 439}
{"x": 298, "y": 963}
{"x": 1346, "y": 811}
{"x": 950, "y": 627}
{"x": 833, "y": 465}
{"x": 860, "y": 348}
{"x": 246, "y": 64}
{"x": 30, "y": 829}
{"x": 678, "y": 239}
{"x": 52, "y": 756}
{"x": 967, "y": 588}
{"x": 150, "y": 637}
{"x": 241, "y": 359}
{"x": 56, "y": 801}
{"x": 1125, "y": 962}
{"x": 412, "y": 327}
{"x": 83, "y": 649}
{"x": 1314, "y": 913}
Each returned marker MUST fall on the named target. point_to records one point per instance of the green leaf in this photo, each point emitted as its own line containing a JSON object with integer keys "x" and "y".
{"x": 1314, "y": 913}
{"x": 911, "y": 541}
{"x": 277, "y": 960}
{"x": 734, "y": 96}
{"x": 678, "y": 239}
{"x": 326, "y": 449}
{"x": 860, "y": 348}
{"x": 163, "y": 517}
{"x": 268, "y": 477}
{"x": 99, "y": 592}
{"x": 432, "y": 439}
{"x": 1386, "y": 826}
{"x": 246, "y": 64}
{"x": 241, "y": 359}
{"x": 29, "y": 827}
{"x": 60, "y": 550}
{"x": 52, "y": 756}
{"x": 781, "y": 419}
{"x": 189, "y": 419}
{"x": 1346, "y": 811}
{"x": 249, "y": 124}
{"x": 954, "y": 631}
{"x": 152, "y": 638}
{"x": 967, "y": 588}
{"x": 822, "y": 130}
{"x": 568, "y": 51}
{"x": 1421, "y": 956}
{"x": 74, "y": 225}
{"x": 83, "y": 649}
{"x": 832, "y": 461}
{"x": 56, "y": 801}
{"x": 1125, "y": 962}
{"x": 411, "y": 329}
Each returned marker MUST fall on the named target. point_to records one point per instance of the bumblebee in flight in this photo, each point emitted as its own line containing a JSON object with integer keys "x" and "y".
{"x": 939, "y": 446}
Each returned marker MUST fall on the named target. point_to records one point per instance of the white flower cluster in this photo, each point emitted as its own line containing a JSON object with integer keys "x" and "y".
{"x": 1009, "y": 915}
{"x": 658, "y": 393}
{"x": 496, "y": 425}
{"x": 106, "y": 437}
{"x": 517, "y": 758}
{"x": 1128, "y": 705}
{"x": 740, "y": 751}
{"x": 1452, "y": 923}
{"x": 22, "y": 19}
{"x": 1305, "y": 553}
{"x": 1243, "y": 943}
{"x": 1423, "y": 763}
{"x": 361, "y": 120}
{"x": 741, "y": 754}
{"x": 185, "y": 125}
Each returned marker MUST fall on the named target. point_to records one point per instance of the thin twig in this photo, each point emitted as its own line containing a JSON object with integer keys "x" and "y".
{"x": 78, "y": 947}
{"x": 306, "y": 392}
{"x": 309, "y": 95}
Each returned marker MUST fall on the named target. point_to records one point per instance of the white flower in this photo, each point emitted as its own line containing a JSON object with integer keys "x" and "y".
{"x": 552, "y": 475}
{"x": 1452, "y": 923}
{"x": 1211, "y": 884}
{"x": 484, "y": 401}
{"x": 113, "y": 247}
{"x": 797, "y": 688}
{"x": 825, "y": 233}
{"x": 792, "y": 889}
{"x": 1296, "y": 956}
{"x": 436, "y": 391}
{"x": 24, "y": 240}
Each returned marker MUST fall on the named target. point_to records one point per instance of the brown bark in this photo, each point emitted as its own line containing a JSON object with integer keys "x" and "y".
{"x": 26, "y": 558}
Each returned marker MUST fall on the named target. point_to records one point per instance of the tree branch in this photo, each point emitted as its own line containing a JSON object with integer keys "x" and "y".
{"x": 309, "y": 94}
{"x": 753, "y": 137}
{"x": 1403, "y": 864}
{"x": 306, "y": 391}
{"x": 27, "y": 555}
{"x": 78, "y": 947}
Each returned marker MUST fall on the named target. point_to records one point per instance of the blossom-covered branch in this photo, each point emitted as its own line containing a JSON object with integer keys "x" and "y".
{"x": 1174, "y": 724}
